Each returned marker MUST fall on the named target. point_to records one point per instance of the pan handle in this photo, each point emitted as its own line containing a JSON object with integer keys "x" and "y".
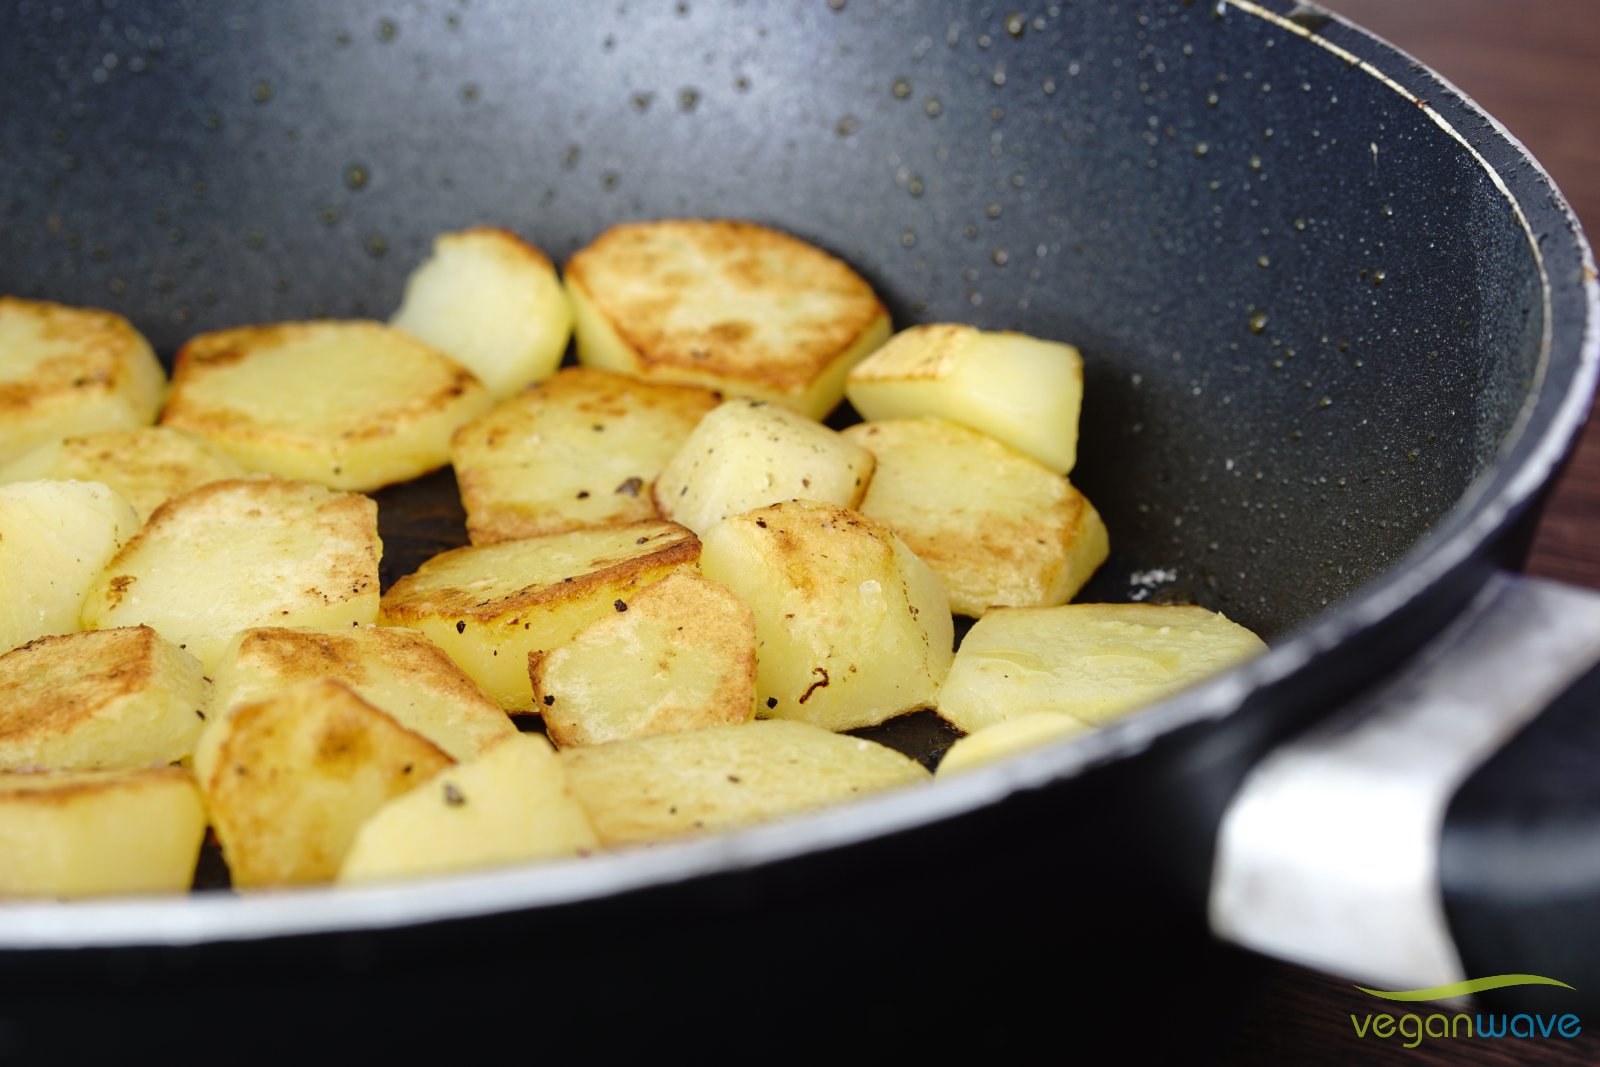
{"x": 1446, "y": 826}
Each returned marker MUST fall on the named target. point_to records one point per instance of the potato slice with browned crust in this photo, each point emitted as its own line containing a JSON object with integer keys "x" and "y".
{"x": 582, "y": 448}
{"x": 349, "y": 405}
{"x": 146, "y": 467}
{"x": 730, "y": 305}
{"x": 67, "y": 370}
{"x": 678, "y": 655}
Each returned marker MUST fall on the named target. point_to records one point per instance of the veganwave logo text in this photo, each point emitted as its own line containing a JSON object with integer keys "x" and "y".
{"x": 1412, "y": 1028}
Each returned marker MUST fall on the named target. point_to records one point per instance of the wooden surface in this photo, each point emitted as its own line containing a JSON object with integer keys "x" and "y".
{"x": 1534, "y": 65}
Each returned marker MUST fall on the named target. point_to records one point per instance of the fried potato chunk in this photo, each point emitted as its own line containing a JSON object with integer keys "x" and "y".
{"x": 349, "y": 405}
{"x": 730, "y": 305}
{"x": 146, "y": 467}
{"x": 748, "y": 454}
{"x": 725, "y": 777}
{"x": 66, "y": 370}
{"x": 1015, "y": 388}
{"x": 55, "y": 538}
{"x": 493, "y": 303}
{"x": 998, "y": 527}
{"x": 582, "y": 448}
{"x": 241, "y": 553}
{"x": 680, "y": 654}
{"x": 94, "y": 833}
{"x": 490, "y": 606}
{"x": 1095, "y": 662}
{"x": 511, "y": 805}
{"x": 99, "y": 700}
{"x": 1007, "y": 738}
{"x": 298, "y": 773}
{"x": 851, "y": 627}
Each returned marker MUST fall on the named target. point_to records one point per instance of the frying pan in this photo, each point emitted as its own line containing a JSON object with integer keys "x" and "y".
{"x": 1339, "y": 332}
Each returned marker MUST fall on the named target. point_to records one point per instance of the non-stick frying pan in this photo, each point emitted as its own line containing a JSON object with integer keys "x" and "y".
{"x": 1339, "y": 331}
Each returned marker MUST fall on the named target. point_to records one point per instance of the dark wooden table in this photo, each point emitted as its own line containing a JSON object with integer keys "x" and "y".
{"x": 1534, "y": 65}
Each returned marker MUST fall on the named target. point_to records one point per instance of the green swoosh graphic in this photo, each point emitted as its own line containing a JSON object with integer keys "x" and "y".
{"x": 1458, "y": 989}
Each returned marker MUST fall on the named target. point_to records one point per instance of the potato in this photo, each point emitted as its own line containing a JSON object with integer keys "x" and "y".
{"x": 298, "y": 773}
{"x": 748, "y": 454}
{"x": 146, "y": 467}
{"x": 92, "y": 833}
{"x": 236, "y": 554}
{"x": 349, "y": 405}
{"x": 851, "y": 628}
{"x": 112, "y": 699}
{"x": 730, "y": 305}
{"x": 1094, "y": 662}
{"x": 582, "y": 448}
{"x": 66, "y": 370}
{"x": 490, "y": 606}
{"x": 511, "y": 805}
{"x": 725, "y": 777}
{"x": 1015, "y": 388}
{"x": 55, "y": 538}
{"x": 491, "y": 302}
{"x": 679, "y": 654}
{"x": 996, "y": 526}
{"x": 1009, "y": 737}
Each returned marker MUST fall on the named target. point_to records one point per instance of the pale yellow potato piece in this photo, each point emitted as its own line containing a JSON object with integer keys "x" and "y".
{"x": 55, "y": 538}
{"x": 1008, "y": 738}
{"x": 583, "y": 448}
{"x": 998, "y": 527}
{"x": 492, "y": 302}
{"x": 1015, "y": 388}
{"x": 679, "y": 654}
{"x": 349, "y": 405}
{"x": 748, "y": 454}
{"x": 298, "y": 773}
{"x": 511, "y": 805}
{"x": 1095, "y": 662}
{"x": 94, "y": 833}
{"x": 725, "y": 777}
{"x": 99, "y": 700}
{"x": 236, "y": 554}
{"x": 490, "y": 606}
{"x": 146, "y": 467}
{"x": 66, "y": 370}
{"x": 729, "y": 305}
{"x": 851, "y": 627}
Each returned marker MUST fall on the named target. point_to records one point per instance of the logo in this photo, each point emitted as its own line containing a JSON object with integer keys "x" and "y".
{"x": 1412, "y": 1028}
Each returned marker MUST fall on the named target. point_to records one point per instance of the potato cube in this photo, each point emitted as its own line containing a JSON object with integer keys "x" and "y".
{"x": 1008, "y": 738}
{"x": 678, "y": 655}
{"x": 1015, "y": 388}
{"x": 996, "y": 526}
{"x": 851, "y": 628}
{"x": 583, "y": 448}
{"x": 1094, "y": 662}
{"x": 729, "y": 305}
{"x": 748, "y": 454}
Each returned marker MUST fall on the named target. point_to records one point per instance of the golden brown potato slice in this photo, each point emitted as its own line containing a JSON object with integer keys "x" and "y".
{"x": 490, "y": 606}
{"x": 725, "y": 777}
{"x": 998, "y": 527}
{"x": 679, "y": 654}
{"x": 730, "y": 305}
{"x": 93, "y": 833}
{"x": 66, "y": 370}
{"x": 99, "y": 700}
{"x": 1015, "y": 388}
{"x": 851, "y": 628}
{"x": 1094, "y": 662}
{"x": 236, "y": 554}
{"x": 349, "y": 405}
{"x": 493, "y": 303}
{"x": 298, "y": 773}
{"x": 511, "y": 805}
{"x": 1007, "y": 738}
{"x": 582, "y": 448}
{"x": 748, "y": 454}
